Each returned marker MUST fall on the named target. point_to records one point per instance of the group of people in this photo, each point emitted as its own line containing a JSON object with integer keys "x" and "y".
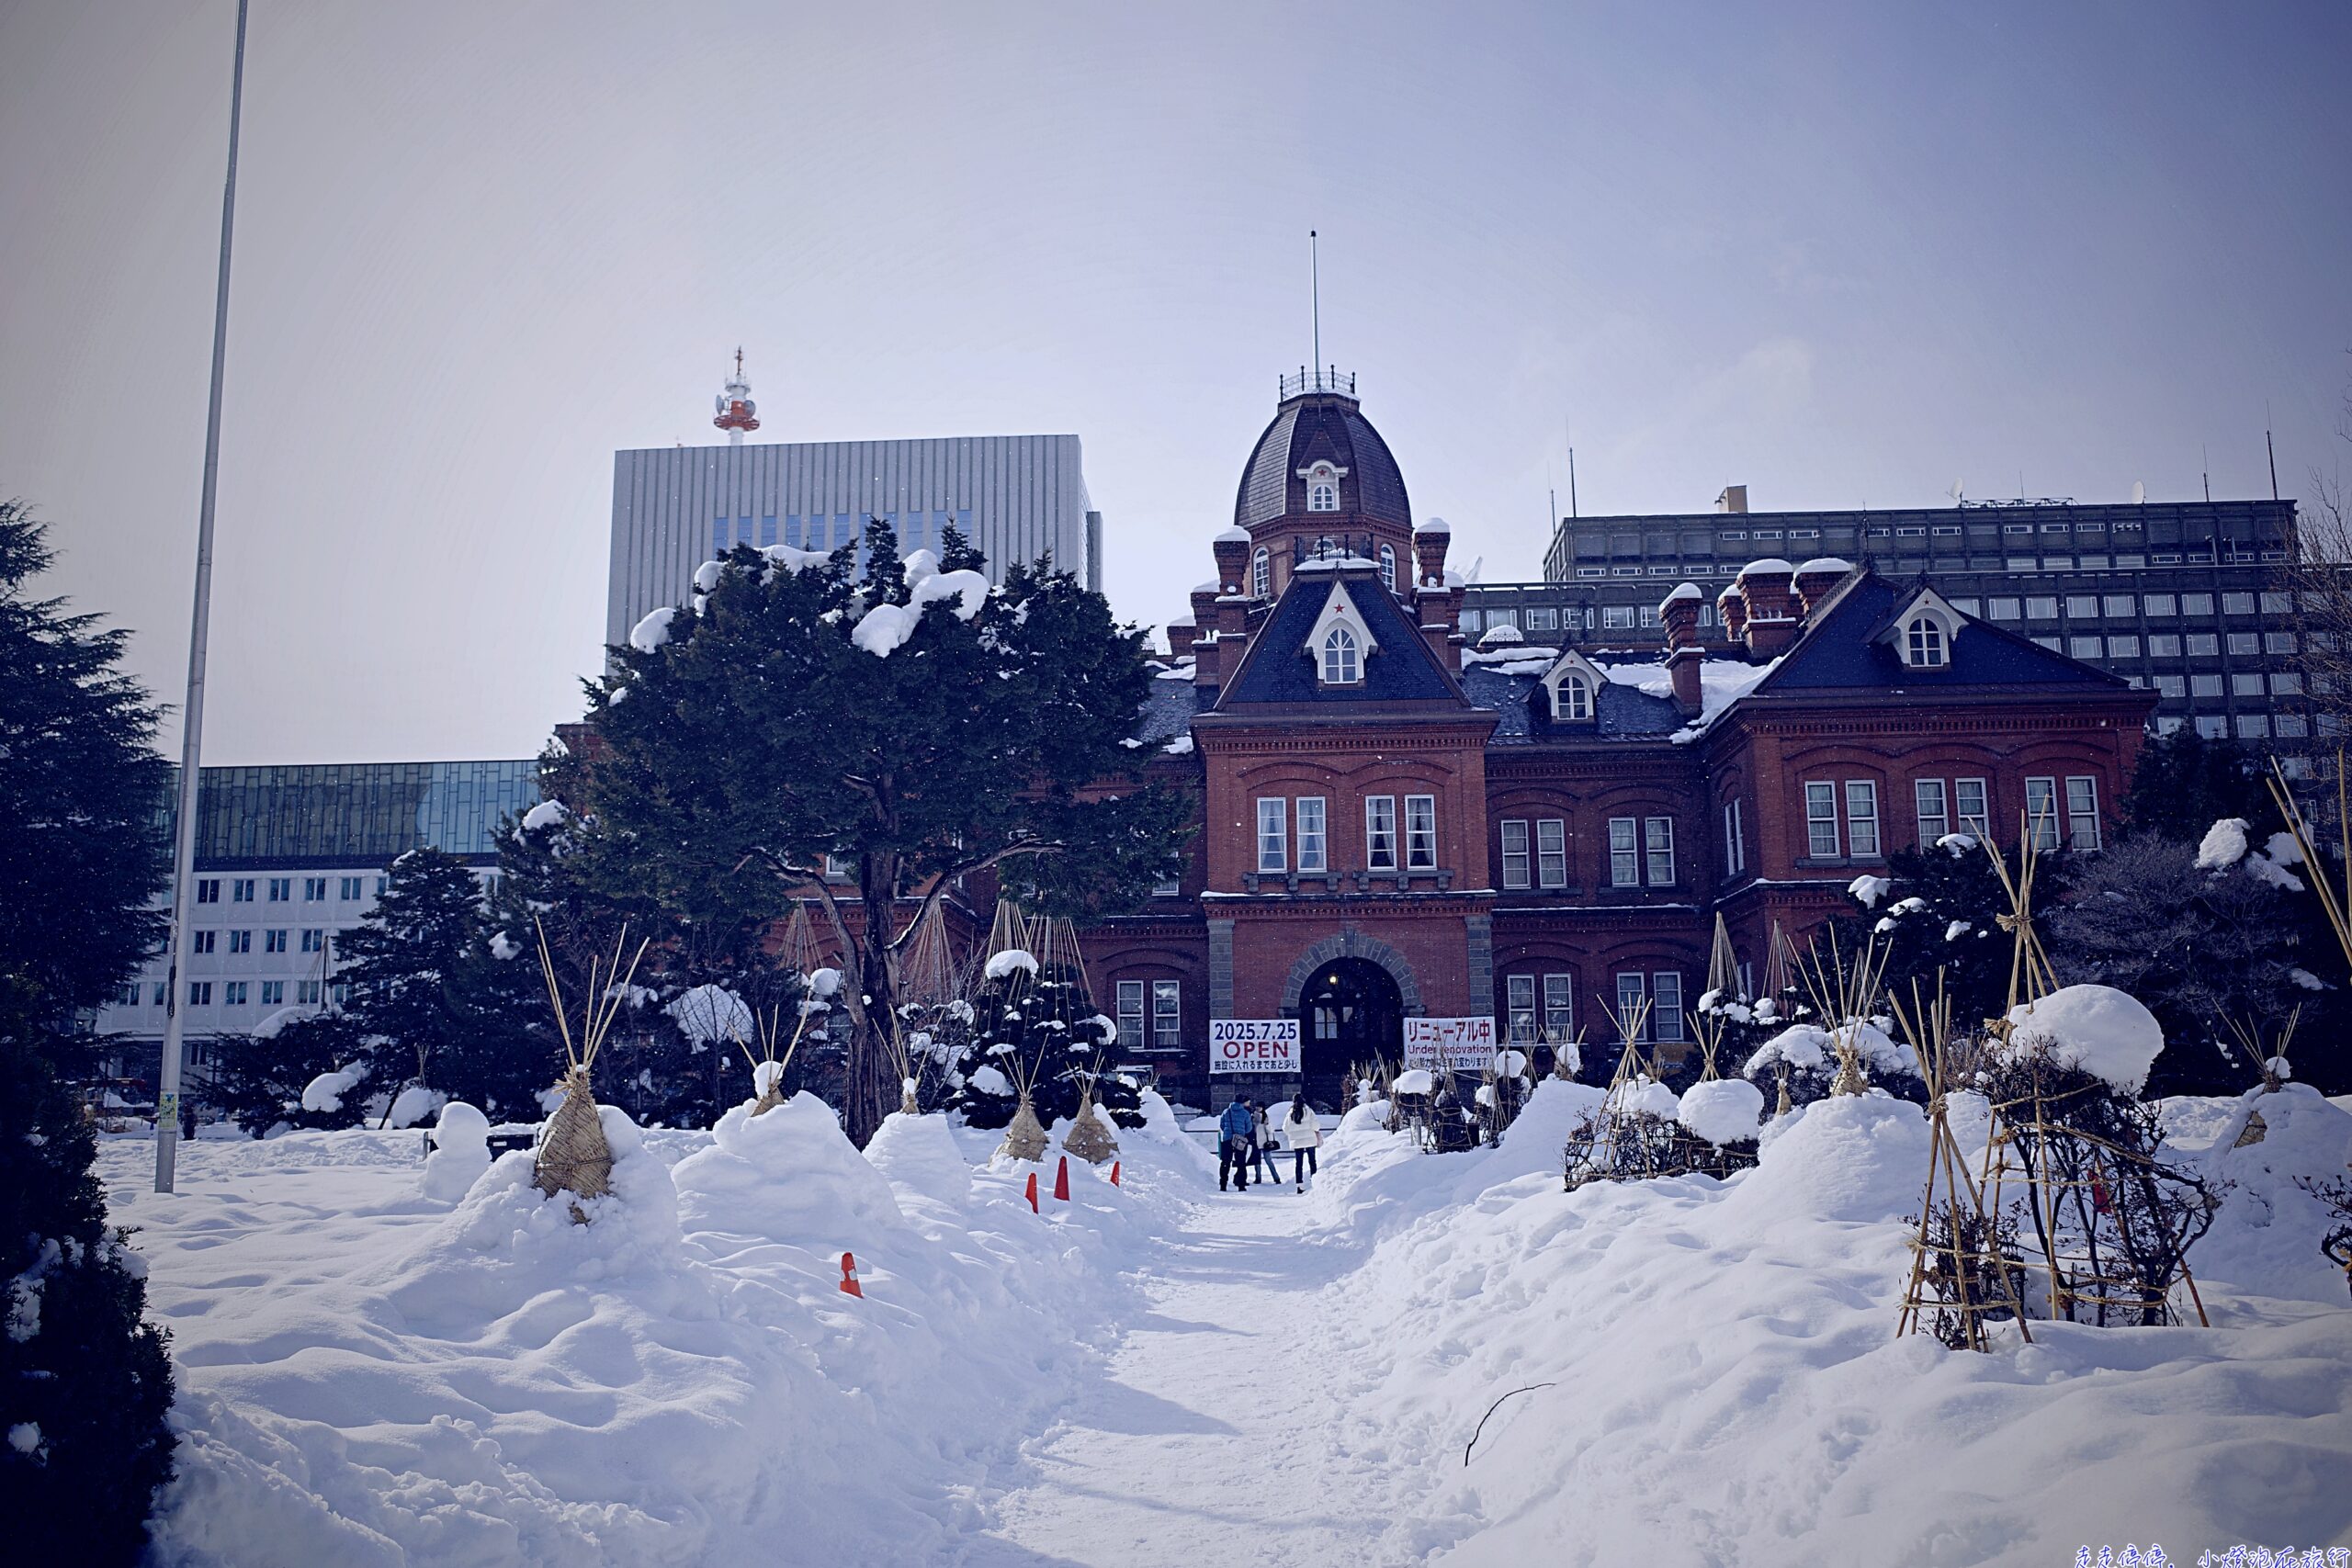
{"x": 1245, "y": 1142}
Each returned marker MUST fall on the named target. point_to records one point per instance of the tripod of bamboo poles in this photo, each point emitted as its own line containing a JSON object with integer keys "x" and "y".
{"x": 1962, "y": 1277}
{"x": 1612, "y": 1143}
{"x": 573, "y": 1156}
{"x": 1843, "y": 995}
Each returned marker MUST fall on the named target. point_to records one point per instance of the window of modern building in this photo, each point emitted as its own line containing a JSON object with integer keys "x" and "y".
{"x": 1517, "y": 864}
{"x": 2160, "y": 605}
{"x": 380, "y": 886}
{"x": 232, "y": 994}
{"x": 1969, "y": 606}
{"x": 1946, "y": 530}
{"x": 2247, "y": 683}
{"x": 2164, "y": 644}
{"x": 2289, "y": 726}
{"x": 314, "y": 941}
{"x": 2162, "y": 559}
{"x": 1472, "y": 620}
{"x": 1559, "y": 1007}
{"x": 281, "y": 890}
{"x": 2203, "y": 645}
{"x": 1821, "y": 820}
{"x": 273, "y": 942}
{"x": 2004, "y": 609}
{"x": 1380, "y": 832}
{"x": 273, "y": 993}
{"x": 1935, "y": 815}
{"x": 1519, "y": 995}
{"x": 2021, "y": 563}
{"x": 1666, "y": 1004}
{"x": 1862, "y": 818}
{"x": 1273, "y": 833}
{"x": 2286, "y": 683}
{"x": 1420, "y": 832}
{"x": 2212, "y": 726}
{"x": 1541, "y": 618}
{"x": 1911, "y": 531}
{"x": 2168, "y": 724}
{"x": 2051, "y": 643}
{"x": 2082, "y": 606}
{"x": 1625, "y": 572}
{"x": 208, "y": 890}
{"x": 2116, "y": 605}
{"x": 2013, "y": 528}
{"x": 203, "y": 942}
{"x": 1617, "y": 617}
{"x": 1587, "y": 573}
{"x": 1624, "y": 856}
{"x": 2042, "y": 608}
{"x": 200, "y": 993}
{"x": 1735, "y": 841}
{"x": 241, "y": 890}
{"x": 2094, "y": 563}
{"x": 2083, "y": 647}
{"x": 2171, "y": 687}
{"x": 2042, "y": 812}
{"x": 2277, "y": 642}
{"x": 2197, "y": 603}
{"x": 1312, "y": 838}
{"x": 2237, "y": 604}
{"x": 2254, "y": 726}
{"x": 2123, "y": 648}
{"x": 1552, "y": 852}
{"x": 349, "y": 890}
{"x": 241, "y": 942}
{"x": 2276, "y": 603}
{"x": 163, "y": 990}
{"x": 1341, "y": 666}
{"x": 2057, "y": 563}
{"x": 2205, "y": 685}
{"x": 314, "y": 889}
{"x": 2244, "y": 645}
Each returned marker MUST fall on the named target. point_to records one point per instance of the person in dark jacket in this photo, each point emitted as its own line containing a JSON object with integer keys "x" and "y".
{"x": 1236, "y": 1145}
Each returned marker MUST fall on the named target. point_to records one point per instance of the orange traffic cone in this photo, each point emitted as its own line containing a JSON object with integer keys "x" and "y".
{"x": 1032, "y": 1192}
{"x": 1115, "y": 1173}
{"x": 849, "y": 1277}
{"x": 1061, "y": 1180}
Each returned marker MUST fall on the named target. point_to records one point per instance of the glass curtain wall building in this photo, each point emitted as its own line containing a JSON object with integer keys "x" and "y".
{"x": 2182, "y": 598}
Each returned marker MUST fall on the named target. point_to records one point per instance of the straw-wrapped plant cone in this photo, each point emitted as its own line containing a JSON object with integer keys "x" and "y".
{"x": 1851, "y": 1078}
{"x": 768, "y": 1078}
{"x": 1089, "y": 1138}
{"x": 574, "y": 1156}
{"x": 1023, "y": 1139}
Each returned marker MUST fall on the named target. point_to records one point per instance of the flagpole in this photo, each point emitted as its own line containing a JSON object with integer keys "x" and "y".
{"x": 167, "y": 1093}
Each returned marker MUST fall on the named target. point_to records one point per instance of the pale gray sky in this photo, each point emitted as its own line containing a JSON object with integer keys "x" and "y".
{"x": 1842, "y": 254}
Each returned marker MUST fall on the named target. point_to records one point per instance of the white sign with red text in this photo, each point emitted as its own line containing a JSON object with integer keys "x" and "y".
{"x": 1253, "y": 1046}
{"x": 1465, "y": 1045}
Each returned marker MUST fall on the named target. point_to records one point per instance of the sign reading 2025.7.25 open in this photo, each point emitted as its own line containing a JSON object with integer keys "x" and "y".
{"x": 1253, "y": 1046}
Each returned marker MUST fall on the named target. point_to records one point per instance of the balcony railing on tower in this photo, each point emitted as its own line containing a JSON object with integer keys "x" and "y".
{"x": 1326, "y": 379}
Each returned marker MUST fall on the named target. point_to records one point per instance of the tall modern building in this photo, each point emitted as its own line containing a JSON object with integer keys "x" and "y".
{"x": 289, "y": 858}
{"x": 1016, "y": 498}
{"x": 2181, "y": 598}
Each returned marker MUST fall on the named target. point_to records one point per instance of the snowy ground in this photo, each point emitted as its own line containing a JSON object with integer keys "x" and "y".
{"x": 1164, "y": 1374}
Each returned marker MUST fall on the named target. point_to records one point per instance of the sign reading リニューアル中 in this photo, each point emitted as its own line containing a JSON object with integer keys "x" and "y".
{"x": 1253, "y": 1046}
{"x": 1465, "y": 1045}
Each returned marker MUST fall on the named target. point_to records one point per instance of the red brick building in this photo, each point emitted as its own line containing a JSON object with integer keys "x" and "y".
{"x": 1395, "y": 825}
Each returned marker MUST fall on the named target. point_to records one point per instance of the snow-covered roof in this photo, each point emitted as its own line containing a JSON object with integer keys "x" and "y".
{"x": 1825, "y": 564}
{"x": 1768, "y": 564}
{"x": 1681, "y": 592}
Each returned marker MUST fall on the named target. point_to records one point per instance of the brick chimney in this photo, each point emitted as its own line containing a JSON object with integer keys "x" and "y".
{"x": 1679, "y": 611}
{"x": 1816, "y": 577}
{"x": 1772, "y": 622}
{"x": 1430, "y": 538}
{"x": 1206, "y": 671}
{"x": 1439, "y": 611}
{"x": 1732, "y": 610}
{"x": 1232, "y": 549}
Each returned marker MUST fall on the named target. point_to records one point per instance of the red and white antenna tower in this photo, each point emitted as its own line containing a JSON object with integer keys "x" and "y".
{"x": 736, "y": 408}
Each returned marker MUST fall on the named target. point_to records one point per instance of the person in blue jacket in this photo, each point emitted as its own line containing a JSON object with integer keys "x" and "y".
{"x": 1235, "y": 1144}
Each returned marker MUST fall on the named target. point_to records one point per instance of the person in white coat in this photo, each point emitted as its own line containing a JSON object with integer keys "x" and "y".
{"x": 1302, "y": 1136}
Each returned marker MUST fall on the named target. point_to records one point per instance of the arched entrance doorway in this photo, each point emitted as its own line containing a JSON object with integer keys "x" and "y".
{"x": 1350, "y": 1011}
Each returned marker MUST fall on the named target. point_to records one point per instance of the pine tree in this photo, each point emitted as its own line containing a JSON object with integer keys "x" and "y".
{"x": 2184, "y": 783}
{"x": 1940, "y": 915}
{"x": 84, "y": 1380}
{"x": 901, "y": 723}
{"x": 259, "y": 1081}
{"x": 1040, "y": 1028}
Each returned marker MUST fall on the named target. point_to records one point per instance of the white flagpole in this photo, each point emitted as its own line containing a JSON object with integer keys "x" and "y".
{"x": 167, "y": 1096}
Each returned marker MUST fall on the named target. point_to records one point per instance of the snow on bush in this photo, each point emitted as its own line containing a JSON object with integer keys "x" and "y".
{"x": 1868, "y": 889}
{"x": 2098, "y": 1029}
{"x": 1722, "y": 1111}
{"x": 411, "y": 1105}
{"x": 1415, "y": 1080}
{"x": 654, "y": 630}
{"x": 324, "y": 1093}
{"x": 711, "y": 1014}
{"x": 545, "y": 813}
{"x": 1009, "y": 960}
{"x": 2226, "y": 844}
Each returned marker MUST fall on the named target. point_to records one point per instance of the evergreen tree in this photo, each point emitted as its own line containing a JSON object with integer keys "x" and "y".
{"x": 259, "y": 1081}
{"x": 1941, "y": 912}
{"x": 2185, "y": 783}
{"x": 84, "y": 1380}
{"x": 901, "y": 724}
{"x": 1041, "y": 1029}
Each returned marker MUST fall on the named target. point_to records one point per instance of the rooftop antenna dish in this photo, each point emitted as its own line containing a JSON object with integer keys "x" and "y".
{"x": 2138, "y": 493}
{"x": 1955, "y": 492}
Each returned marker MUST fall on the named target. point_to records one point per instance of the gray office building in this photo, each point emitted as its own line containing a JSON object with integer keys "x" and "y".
{"x": 2185, "y": 598}
{"x": 1016, "y": 498}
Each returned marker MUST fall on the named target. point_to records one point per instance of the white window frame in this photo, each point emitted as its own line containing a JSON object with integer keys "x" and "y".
{"x": 1552, "y": 852}
{"x": 1420, "y": 832}
{"x": 2082, "y": 811}
{"x": 1167, "y": 1015}
{"x": 1924, "y": 646}
{"x": 1658, "y": 850}
{"x": 1380, "y": 832}
{"x": 1388, "y": 566}
{"x": 1822, "y": 833}
{"x": 1978, "y": 821}
{"x": 1273, "y": 834}
{"x": 1625, "y": 851}
{"x": 1735, "y": 840}
{"x": 1559, "y": 1007}
{"x": 1342, "y": 658}
{"x": 1518, "y": 858}
{"x": 1630, "y": 998}
{"x": 1519, "y": 1008}
{"x": 1863, "y": 840}
{"x": 1261, "y": 572}
{"x": 1131, "y": 1015}
{"x": 1314, "y": 836}
{"x": 1322, "y": 495}
{"x": 2042, "y": 813}
{"x": 1931, "y": 799}
{"x": 1666, "y": 1005}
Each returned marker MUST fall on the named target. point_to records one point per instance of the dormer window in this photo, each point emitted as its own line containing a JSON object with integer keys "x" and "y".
{"x": 1261, "y": 572}
{"x": 1322, "y": 485}
{"x": 1923, "y": 631}
{"x": 1574, "y": 684}
{"x": 1342, "y": 664}
{"x": 1924, "y": 647}
{"x": 1388, "y": 566}
{"x": 1572, "y": 698}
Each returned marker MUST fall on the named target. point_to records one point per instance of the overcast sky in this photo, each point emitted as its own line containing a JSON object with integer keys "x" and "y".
{"x": 1841, "y": 253}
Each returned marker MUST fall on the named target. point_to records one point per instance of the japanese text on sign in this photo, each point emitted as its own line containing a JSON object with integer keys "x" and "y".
{"x": 1465, "y": 1045}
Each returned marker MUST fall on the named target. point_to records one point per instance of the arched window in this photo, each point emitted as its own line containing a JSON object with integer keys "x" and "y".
{"x": 1388, "y": 566}
{"x": 1323, "y": 495}
{"x": 1341, "y": 665}
{"x": 1575, "y": 699}
{"x": 1261, "y": 572}
{"x": 1925, "y": 649}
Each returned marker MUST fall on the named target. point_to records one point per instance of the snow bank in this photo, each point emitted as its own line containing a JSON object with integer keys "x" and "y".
{"x": 460, "y": 1153}
{"x": 2103, "y": 1031}
{"x": 1722, "y": 1111}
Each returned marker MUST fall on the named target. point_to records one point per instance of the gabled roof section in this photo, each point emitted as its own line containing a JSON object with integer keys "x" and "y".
{"x": 1842, "y": 648}
{"x": 1277, "y": 670}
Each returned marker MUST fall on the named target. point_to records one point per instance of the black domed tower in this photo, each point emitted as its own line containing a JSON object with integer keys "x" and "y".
{"x": 1322, "y": 481}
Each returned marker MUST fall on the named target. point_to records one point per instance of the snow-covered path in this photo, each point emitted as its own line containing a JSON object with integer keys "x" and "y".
{"x": 1211, "y": 1438}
